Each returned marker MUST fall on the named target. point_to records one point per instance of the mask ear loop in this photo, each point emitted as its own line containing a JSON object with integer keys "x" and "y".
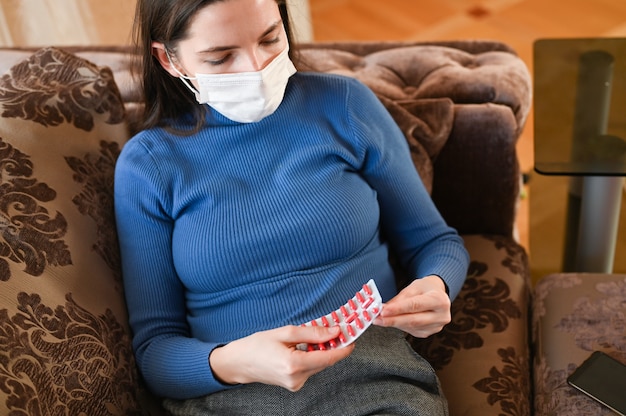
{"x": 184, "y": 78}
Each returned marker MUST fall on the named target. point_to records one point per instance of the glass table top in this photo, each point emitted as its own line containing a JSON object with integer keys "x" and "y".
{"x": 580, "y": 106}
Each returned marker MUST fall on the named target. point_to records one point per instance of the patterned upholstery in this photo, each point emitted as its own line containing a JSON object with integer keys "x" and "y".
{"x": 483, "y": 356}
{"x": 574, "y": 315}
{"x": 64, "y": 341}
{"x": 63, "y": 324}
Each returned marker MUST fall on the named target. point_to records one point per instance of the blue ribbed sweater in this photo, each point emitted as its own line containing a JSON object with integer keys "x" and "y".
{"x": 246, "y": 227}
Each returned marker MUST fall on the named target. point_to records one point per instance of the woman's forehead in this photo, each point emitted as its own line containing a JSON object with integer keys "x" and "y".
{"x": 229, "y": 22}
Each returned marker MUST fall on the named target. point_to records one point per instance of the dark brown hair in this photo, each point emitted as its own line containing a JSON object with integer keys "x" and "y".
{"x": 165, "y": 98}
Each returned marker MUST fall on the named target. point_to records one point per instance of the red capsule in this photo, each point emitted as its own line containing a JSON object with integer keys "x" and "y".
{"x": 360, "y": 297}
{"x": 367, "y": 316}
{"x": 351, "y": 317}
{"x": 367, "y": 289}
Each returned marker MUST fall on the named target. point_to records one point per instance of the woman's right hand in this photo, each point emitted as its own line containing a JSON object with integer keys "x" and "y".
{"x": 271, "y": 357}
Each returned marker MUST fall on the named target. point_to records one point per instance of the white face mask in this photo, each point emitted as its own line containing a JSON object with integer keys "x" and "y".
{"x": 245, "y": 97}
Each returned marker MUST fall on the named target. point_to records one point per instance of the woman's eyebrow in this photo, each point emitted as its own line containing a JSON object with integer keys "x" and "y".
{"x": 269, "y": 30}
{"x": 272, "y": 28}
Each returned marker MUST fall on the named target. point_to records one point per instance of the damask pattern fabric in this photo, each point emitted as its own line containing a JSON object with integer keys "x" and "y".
{"x": 64, "y": 341}
{"x": 483, "y": 357}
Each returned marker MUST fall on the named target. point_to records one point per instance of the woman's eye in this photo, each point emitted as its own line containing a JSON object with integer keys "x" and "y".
{"x": 271, "y": 41}
{"x": 216, "y": 62}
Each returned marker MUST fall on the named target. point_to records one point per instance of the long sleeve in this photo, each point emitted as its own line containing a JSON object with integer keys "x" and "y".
{"x": 157, "y": 296}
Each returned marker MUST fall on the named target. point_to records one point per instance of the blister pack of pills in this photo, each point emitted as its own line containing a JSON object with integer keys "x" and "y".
{"x": 354, "y": 317}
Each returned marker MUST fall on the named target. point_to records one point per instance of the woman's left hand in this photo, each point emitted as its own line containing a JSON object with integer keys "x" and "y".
{"x": 421, "y": 309}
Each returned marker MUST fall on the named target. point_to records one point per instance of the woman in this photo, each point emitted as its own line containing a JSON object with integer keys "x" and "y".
{"x": 259, "y": 198}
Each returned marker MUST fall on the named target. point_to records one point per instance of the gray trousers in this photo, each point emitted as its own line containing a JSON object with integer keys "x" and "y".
{"x": 382, "y": 376}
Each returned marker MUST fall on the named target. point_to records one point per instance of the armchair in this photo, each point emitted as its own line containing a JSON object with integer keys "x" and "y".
{"x": 65, "y": 114}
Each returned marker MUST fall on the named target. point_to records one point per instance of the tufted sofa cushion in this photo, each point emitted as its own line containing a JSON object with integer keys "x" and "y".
{"x": 421, "y": 84}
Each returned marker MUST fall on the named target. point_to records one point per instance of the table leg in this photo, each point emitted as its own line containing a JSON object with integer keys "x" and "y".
{"x": 572, "y": 221}
{"x": 599, "y": 220}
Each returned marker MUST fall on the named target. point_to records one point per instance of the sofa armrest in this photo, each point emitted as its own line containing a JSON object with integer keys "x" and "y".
{"x": 477, "y": 176}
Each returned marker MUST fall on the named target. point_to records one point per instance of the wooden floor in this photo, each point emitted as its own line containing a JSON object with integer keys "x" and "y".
{"x": 516, "y": 22}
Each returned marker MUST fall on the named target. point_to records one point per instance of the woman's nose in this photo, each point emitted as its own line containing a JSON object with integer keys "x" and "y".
{"x": 256, "y": 61}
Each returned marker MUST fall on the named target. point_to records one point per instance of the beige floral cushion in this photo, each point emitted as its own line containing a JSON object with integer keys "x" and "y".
{"x": 64, "y": 340}
{"x": 575, "y": 314}
{"x": 483, "y": 356}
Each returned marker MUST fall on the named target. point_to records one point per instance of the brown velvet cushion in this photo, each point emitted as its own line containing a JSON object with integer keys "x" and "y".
{"x": 63, "y": 324}
{"x": 421, "y": 86}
